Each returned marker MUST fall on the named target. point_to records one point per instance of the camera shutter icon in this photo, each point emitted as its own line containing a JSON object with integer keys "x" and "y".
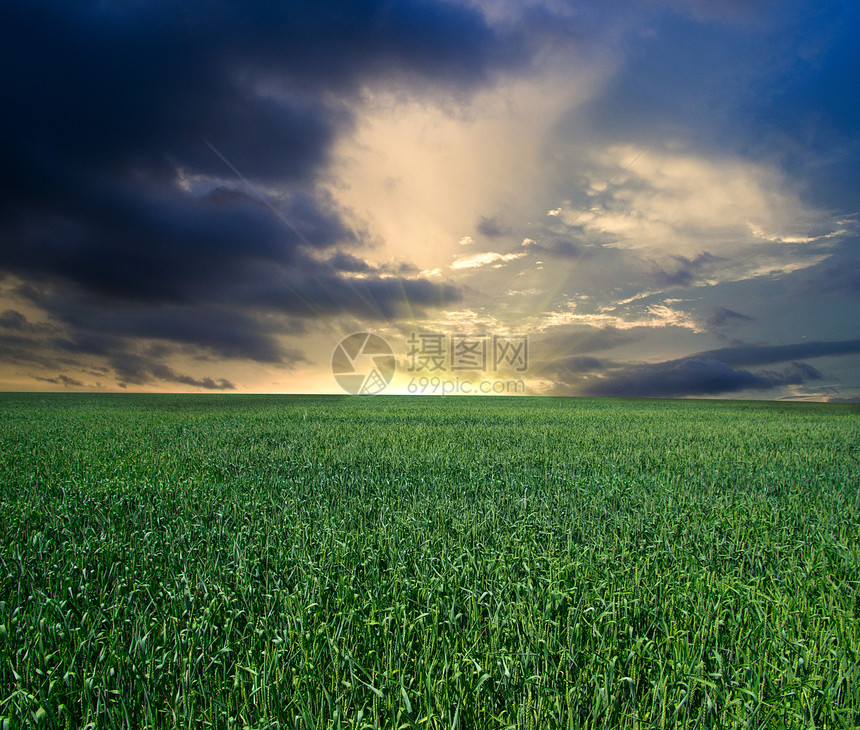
{"x": 363, "y": 363}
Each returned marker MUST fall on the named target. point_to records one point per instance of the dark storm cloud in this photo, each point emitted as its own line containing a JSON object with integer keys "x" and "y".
{"x": 680, "y": 271}
{"x": 15, "y": 321}
{"x": 129, "y": 88}
{"x": 138, "y": 368}
{"x": 162, "y": 247}
{"x": 162, "y": 372}
{"x": 377, "y": 298}
{"x": 265, "y": 302}
{"x": 492, "y": 228}
{"x": 112, "y": 201}
{"x": 11, "y": 319}
{"x": 17, "y": 349}
{"x": 767, "y": 354}
{"x": 33, "y": 343}
{"x": 127, "y": 362}
{"x": 722, "y": 317}
{"x": 346, "y": 262}
{"x": 715, "y": 372}
{"x": 99, "y": 326}
{"x": 695, "y": 376}
{"x": 61, "y": 379}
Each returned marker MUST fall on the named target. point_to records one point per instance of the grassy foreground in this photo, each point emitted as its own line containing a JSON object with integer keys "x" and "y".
{"x": 327, "y": 562}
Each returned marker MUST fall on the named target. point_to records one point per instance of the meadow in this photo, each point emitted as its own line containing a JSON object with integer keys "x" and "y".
{"x": 406, "y": 562}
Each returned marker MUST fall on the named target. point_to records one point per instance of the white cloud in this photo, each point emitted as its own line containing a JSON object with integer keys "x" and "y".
{"x": 417, "y": 170}
{"x": 671, "y": 202}
{"x": 467, "y": 241}
{"x": 478, "y": 260}
{"x": 773, "y": 238}
{"x": 655, "y": 315}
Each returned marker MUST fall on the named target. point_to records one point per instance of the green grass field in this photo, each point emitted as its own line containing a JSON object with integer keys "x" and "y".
{"x": 337, "y": 562}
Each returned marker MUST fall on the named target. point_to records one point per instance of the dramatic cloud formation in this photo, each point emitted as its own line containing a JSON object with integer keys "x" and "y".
{"x": 208, "y": 196}
{"x": 715, "y": 372}
{"x": 718, "y": 372}
{"x": 696, "y": 377}
{"x": 124, "y": 223}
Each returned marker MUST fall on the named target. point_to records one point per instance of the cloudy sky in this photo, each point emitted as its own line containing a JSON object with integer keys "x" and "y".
{"x": 661, "y": 196}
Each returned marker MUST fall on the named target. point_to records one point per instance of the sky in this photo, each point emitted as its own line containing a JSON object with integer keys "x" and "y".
{"x": 648, "y": 198}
